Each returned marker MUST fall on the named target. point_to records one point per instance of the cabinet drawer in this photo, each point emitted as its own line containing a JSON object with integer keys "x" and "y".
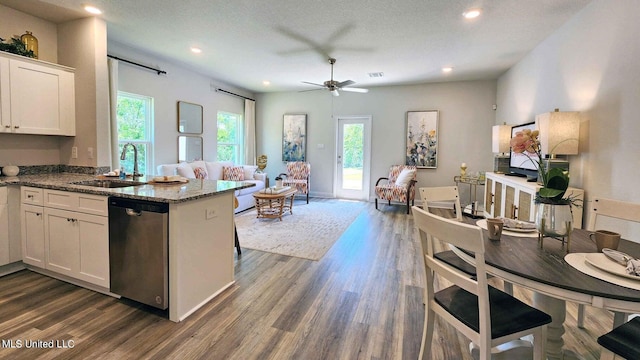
{"x": 3, "y": 195}
{"x": 30, "y": 195}
{"x": 86, "y": 203}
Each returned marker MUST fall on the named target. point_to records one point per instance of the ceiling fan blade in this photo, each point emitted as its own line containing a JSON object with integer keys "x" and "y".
{"x": 335, "y": 92}
{"x": 345, "y": 83}
{"x": 358, "y": 90}
{"x": 310, "y": 83}
{"x": 310, "y": 90}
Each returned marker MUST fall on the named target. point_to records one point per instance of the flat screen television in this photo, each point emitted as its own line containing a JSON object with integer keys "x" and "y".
{"x": 519, "y": 163}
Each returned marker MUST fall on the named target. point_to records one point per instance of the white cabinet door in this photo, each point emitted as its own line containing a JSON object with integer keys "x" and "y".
{"x": 5, "y": 98}
{"x": 94, "y": 249}
{"x": 62, "y": 252}
{"x": 77, "y": 245}
{"x": 4, "y": 235}
{"x": 42, "y": 99}
{"x": 32, "y": 221}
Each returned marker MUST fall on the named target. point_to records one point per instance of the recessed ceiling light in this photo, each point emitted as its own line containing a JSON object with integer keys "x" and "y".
{"x": 266, "y": 83}
{"x": 447, "y": 69}
{"x": 471, "y": 13}
{"x": 196, "y": 50}
{"x": 92, "y": 9}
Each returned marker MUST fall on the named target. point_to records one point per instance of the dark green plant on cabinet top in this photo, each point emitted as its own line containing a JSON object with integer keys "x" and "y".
{"x": 16, "y": 46}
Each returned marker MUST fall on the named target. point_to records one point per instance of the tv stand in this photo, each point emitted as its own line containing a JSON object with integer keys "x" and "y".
{"x": 515, "y": 174}
{"x": 514, "y": 197}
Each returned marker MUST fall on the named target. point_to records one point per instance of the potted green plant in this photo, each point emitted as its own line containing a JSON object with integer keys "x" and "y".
{"x": 553, "y": 209}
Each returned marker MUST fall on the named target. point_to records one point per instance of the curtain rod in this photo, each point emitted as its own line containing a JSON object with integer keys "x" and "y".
{"x": 234, "y": 94}
{"x": 136, "y": 64}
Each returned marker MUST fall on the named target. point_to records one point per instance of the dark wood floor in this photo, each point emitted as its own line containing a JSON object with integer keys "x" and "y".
{"x": 363, "y": 300}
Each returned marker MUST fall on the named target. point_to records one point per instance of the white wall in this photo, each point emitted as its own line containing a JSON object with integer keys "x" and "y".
{"x": 179, "y": 84}
{"x": 15, "y": 23}
{"x": 589, "y": 65}
{"x": 464, "y": 127}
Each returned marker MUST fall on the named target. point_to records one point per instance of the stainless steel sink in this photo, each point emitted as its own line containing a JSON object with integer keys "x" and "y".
{"x": 108, "y": 183}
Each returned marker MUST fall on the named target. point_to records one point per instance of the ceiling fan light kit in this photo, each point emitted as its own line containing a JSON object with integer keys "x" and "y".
{"x": 333, "y": 86}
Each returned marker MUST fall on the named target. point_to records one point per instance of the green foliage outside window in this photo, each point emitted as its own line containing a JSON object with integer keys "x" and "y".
{"x": 353, "y": 146}
{"x": 228, "y": 137}
{"x": 133, "y": 126}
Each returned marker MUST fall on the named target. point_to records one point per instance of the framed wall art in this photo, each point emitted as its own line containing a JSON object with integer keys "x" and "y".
{"x": 294, "y": 137}
{"x": 422, "y": 139}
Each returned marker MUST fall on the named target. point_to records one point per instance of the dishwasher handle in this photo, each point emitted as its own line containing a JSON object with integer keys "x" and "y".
{"x": 133, "y": 212}
{"x": 138, "y": 206}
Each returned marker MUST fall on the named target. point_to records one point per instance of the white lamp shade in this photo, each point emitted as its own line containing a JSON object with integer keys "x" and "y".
{"x": 500, "y": 137}
{"x": 559, "y": 132}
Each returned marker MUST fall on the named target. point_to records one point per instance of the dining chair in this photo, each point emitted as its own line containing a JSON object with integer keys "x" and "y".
{"x": 445, "y": 196}
{"x": 624, "y": 340}
{"x": 485, "y": 315}
{"x": 620, "y": 211}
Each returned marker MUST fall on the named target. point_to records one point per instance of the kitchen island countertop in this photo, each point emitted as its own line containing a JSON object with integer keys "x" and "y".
{"x": 168, "y": 193}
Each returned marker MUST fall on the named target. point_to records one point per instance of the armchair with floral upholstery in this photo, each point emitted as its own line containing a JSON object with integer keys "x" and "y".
{"x": 297, "y": 175}
{"x": 399, "y": 186}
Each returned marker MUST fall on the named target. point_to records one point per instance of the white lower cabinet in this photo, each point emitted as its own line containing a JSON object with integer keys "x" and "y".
{"x": 67, "y": 236}
{"x": 76, "y": 245}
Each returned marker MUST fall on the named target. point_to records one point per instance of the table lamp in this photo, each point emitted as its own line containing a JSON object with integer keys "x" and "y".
{"x": 559, "y": 134}
{"x": 500, "y": 137}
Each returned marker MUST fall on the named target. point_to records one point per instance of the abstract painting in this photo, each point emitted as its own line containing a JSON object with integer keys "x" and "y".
{"x": 294, "y": 137}
{"x": 422, "y": 139}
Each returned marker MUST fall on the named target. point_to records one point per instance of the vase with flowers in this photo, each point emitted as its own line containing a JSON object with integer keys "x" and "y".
{"x": 553, "y": 215}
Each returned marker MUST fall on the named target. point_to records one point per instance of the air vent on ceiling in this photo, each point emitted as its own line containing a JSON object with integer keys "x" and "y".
{"x": 376, "y": 74}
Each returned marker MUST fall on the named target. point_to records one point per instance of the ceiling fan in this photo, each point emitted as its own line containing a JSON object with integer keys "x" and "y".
{"x": 333, "y": 86}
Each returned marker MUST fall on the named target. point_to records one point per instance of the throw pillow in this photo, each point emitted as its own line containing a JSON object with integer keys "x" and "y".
{"x": 185, "y": 170}
{"x": 249, "y": 170}
{"x": 214, "y": 168}
{"x": 405, "y": 177}
{"x": 200, "y": 173}
{"x": 233, "y": 173}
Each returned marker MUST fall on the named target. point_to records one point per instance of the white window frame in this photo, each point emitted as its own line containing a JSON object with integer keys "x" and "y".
{"x": 149, "y": 121}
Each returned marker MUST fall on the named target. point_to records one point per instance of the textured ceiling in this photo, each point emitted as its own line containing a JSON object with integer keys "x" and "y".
{"x": 286, "y": 42}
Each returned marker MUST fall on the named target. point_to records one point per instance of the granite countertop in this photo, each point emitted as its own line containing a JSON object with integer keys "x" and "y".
{"x": 168, "y": 193}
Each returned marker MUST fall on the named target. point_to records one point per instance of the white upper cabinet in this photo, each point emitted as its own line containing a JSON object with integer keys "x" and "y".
{"x": 36, "y": 97}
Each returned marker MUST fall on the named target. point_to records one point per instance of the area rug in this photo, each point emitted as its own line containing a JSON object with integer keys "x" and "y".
{"x": 307, "y": 233}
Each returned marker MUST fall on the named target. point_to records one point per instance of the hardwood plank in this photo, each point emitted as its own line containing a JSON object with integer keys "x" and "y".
{"x": 362, "y": 300}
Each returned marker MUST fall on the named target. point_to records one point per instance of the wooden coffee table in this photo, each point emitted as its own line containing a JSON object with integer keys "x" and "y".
{"x": 274, "y": 205}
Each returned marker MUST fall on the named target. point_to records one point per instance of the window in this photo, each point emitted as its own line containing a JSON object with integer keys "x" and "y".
{"x": 135, "y": 125}
{"x": 230, "y": 137}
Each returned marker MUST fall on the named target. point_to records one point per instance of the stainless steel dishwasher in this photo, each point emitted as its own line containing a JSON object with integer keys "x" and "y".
{"x": 138, "y": 250}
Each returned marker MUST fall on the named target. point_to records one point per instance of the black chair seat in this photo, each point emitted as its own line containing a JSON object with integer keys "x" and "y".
{"x": 508, "y": 314}
{"x": 454, "y": 260}
{"x": 623, "y": 340}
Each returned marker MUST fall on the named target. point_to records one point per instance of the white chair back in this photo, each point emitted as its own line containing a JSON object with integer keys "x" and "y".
{"x": 462, "y": 236}
{"x": 613, "y": 215}
{"x": 441, "y": 194}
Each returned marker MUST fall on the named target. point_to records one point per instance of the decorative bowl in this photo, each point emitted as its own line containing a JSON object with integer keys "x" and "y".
{"x": 10, "y": 170}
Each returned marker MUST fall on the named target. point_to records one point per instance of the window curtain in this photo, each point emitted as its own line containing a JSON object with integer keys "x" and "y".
{"x": 113, "y": 113}
{"x": 249, "y": 132}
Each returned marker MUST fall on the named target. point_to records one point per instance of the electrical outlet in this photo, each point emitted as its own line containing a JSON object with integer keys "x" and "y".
{"x": 210, "y": 213}
{"x": 90, "y": 152}
{"x": 74, "y": 152}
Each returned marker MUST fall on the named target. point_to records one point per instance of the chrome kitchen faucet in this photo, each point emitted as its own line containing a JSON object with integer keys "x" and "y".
{"x": 135, "y": 158}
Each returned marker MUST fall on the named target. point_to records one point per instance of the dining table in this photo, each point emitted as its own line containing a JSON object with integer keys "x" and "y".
{"x": 518, "y": 258}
